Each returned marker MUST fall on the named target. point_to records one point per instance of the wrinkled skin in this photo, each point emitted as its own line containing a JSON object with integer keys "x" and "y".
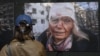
{"x": 61, "y": 27}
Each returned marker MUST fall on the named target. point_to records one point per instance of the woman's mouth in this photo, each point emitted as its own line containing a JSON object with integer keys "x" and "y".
{"x": 59, "y": 33}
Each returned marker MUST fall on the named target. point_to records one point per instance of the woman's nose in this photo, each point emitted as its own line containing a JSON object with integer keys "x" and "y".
{"x": 60, "y": 24}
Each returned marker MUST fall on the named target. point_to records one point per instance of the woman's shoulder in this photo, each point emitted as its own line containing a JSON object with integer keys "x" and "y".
{"x": 36, "y": 42}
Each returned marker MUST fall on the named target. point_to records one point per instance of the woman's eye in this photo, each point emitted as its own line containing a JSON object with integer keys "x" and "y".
{"x": 54, "y": 20}
{"x": 66, "y": 20}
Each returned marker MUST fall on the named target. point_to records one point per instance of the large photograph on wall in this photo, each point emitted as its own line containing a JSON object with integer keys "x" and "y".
{"x": 66, "y": 26}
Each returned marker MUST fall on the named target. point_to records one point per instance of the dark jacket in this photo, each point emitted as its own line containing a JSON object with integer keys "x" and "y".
{"x": 82, "y": 45}
{"x": 5, "y": 37}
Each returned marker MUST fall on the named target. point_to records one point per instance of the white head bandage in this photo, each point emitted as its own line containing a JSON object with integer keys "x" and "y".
{"x": 65, "y": 9}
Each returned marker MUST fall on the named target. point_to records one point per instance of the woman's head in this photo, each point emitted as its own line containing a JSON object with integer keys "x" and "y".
{"x": 62, "y": 21}
{"x": 61, "y": 27}
{"x": 23, "y": 27}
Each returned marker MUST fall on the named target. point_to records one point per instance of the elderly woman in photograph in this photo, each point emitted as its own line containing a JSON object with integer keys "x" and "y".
{"x": 64, "y": 34}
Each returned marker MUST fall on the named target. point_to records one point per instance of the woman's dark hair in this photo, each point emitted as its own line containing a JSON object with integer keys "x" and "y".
{"x": 23, "y": 36}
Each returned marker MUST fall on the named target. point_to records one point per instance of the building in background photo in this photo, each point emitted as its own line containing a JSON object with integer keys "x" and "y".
{"x": 39, "y": 13}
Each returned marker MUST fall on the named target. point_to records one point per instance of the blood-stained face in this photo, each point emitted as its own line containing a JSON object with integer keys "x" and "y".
{"x": 60, "y": 26}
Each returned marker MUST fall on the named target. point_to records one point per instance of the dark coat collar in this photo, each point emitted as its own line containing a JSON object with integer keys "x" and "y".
{"x": 81, "y": 45}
